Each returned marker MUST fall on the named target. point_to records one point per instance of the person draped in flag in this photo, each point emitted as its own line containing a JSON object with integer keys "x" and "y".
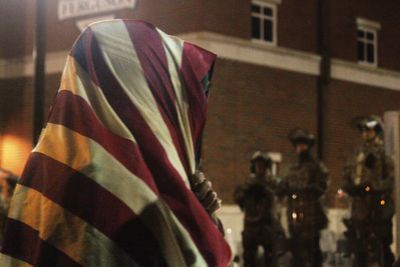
{"x": 110, "y": 181}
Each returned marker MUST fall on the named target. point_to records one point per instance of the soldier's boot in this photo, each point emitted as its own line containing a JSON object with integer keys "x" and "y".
{"x": 388, "y": 257}
{"x": 250, "y": 256}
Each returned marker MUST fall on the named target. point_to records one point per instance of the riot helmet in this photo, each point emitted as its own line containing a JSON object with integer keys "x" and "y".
{"x": 372, "y": 122}
{"x": 261, "y": 157}
{"x": 301, "y": 136}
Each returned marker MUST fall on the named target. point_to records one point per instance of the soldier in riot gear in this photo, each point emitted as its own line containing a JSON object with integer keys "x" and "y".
{"x": 261, "y": 227}
{"x": 304, "y": 185}
{"x": 369, "y": 181}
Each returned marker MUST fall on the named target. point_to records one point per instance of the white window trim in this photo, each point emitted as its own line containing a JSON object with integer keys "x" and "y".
{"x": 373, "y": 27}
{"x": 374, "y": 43}
{"x": 370, "y": 24}
{"x": 270, "y": 4}
{"x": 239, "y": 50}
{"x": 276, "y": 2}
{"x": 276, "y": 158}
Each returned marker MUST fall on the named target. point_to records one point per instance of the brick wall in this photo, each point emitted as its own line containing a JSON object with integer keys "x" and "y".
{"x": 17, "y": 21}
{"x": 344, "y": 102}
{"x": 252, "y": 107}
{"x": 343, "y": 14}
{"x": 296, "y": 24}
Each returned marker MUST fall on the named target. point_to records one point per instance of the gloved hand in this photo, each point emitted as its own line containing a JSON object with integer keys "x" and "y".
{"x": 370, "y": 161}
{"x": 204, "y": 193}
{"x": 361, "y": 189}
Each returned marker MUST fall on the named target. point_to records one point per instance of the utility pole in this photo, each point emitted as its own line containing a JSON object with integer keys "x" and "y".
{"x": 324, "y": 77}
{"x": 40, "y": 75}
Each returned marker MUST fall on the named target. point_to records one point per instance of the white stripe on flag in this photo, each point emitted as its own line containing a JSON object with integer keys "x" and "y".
{"x": 173, "y": 47}
{"x": 120, "y": 55}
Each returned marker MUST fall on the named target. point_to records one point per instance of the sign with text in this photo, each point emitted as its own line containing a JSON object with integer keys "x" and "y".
{"x": 76, "y": 8}
{"x": 83, "y": 23}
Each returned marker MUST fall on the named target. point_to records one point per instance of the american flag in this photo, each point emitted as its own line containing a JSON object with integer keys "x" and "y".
{"x": 108, "y": 182}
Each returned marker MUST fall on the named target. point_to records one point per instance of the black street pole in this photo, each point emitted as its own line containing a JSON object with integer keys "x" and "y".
{"x": 324, "y": 78}
{"x": 39, "y": 78}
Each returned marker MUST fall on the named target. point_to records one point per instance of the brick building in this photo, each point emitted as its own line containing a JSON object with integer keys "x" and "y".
{"x": 282, "y": 64}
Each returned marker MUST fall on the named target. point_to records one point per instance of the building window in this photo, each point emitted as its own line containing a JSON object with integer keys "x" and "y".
{"x": 367, "y": 42}
{"x": 276, "y": 158}
{"x": 263, "y": 21}
{"x": 366, "y": 45}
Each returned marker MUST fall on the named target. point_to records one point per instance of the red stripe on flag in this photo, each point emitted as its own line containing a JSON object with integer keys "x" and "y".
{"x": 151, "y": 53}
{"x": 196, "y": 62}
{"x": 199, "y": 60}
{"x": 73, "y": 112}
{"x": 86, "y": 199}
{"x": 23, "y": 242}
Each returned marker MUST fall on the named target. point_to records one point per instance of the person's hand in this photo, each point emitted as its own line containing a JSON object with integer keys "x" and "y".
{"x": 366, "y": 187}
{"x": 204, "y": 193}
{"x": 5, "y": 192}
{"x": 370, "y": 161}
{"x": 361, "y": 189}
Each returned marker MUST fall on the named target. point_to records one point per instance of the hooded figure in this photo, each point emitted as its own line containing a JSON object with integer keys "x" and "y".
{"x": 109, "y": 182}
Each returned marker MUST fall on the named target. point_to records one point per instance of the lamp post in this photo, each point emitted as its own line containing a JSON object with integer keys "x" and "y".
{"x": 323, "y": 80}
{"x": 40, "y": 60}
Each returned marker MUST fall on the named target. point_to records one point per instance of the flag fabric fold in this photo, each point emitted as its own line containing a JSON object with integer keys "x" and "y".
{"x": 108, "y": 182}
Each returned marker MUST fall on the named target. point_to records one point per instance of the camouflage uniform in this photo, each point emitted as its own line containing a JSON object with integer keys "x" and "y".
{"x": 261, "y": 227}
{"x": 304, "y": 186}
{"x": 369, "y": 180}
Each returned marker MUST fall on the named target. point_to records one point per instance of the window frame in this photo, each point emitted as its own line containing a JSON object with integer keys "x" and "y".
{"x": 276, "y": 158}
{"x": 372, "y": 27}
{"x": 273, "y": 6}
